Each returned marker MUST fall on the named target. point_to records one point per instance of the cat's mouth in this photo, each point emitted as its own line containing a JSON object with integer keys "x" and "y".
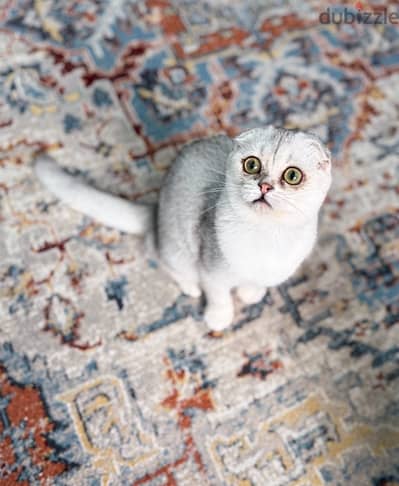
{"x": 263, "y": 202}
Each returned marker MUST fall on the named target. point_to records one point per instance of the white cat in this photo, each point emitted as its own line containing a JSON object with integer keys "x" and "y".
{"x": 232, "y": 214}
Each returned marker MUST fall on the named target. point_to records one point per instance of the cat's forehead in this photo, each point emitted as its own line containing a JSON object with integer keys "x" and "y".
{"x": 279, "y": 145}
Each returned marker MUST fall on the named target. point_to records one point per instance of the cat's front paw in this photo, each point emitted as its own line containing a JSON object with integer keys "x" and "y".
{"x": 249, "y": 294}
{"x": 218, "y": 318}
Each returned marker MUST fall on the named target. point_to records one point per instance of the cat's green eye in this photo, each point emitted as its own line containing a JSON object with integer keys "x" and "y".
{"x": 252, "y": 165}
{"x": 292, "y": 176}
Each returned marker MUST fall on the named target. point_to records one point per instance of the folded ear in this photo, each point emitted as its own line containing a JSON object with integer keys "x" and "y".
{"x": 253, "y": 136}
{"x": 324, "y": 162}
{"x": 243, "y": 137}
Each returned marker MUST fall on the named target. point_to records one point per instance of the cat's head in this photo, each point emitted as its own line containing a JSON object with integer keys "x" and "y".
{"x": 279, "y": 172}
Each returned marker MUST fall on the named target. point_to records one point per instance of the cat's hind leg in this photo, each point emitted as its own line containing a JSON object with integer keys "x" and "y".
{"x": 250, "y": 294}
{"x": 187, "y": 282}
{"x": 183, "y": 270}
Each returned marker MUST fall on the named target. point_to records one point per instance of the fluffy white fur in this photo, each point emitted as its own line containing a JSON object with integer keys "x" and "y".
{"x": 105, "y": 208}
{"x": 211, "y": 234}
{"x": 264, "y": 246}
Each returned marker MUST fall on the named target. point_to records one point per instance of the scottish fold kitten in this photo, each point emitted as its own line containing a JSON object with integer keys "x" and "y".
{"x": 232, "y": 213}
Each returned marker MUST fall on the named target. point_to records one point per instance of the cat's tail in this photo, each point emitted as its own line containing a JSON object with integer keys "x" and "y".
{"x": 105, "y": 208}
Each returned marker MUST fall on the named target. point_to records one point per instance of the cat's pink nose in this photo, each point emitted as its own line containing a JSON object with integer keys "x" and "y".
{"x": 264, "y": 187}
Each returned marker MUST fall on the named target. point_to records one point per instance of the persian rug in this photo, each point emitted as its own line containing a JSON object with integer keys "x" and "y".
{"x": 108, "y": 376}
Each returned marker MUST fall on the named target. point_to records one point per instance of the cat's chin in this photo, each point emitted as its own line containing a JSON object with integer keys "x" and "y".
{"x": 264, "y": 209}
{"x": 261, "y": 205}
